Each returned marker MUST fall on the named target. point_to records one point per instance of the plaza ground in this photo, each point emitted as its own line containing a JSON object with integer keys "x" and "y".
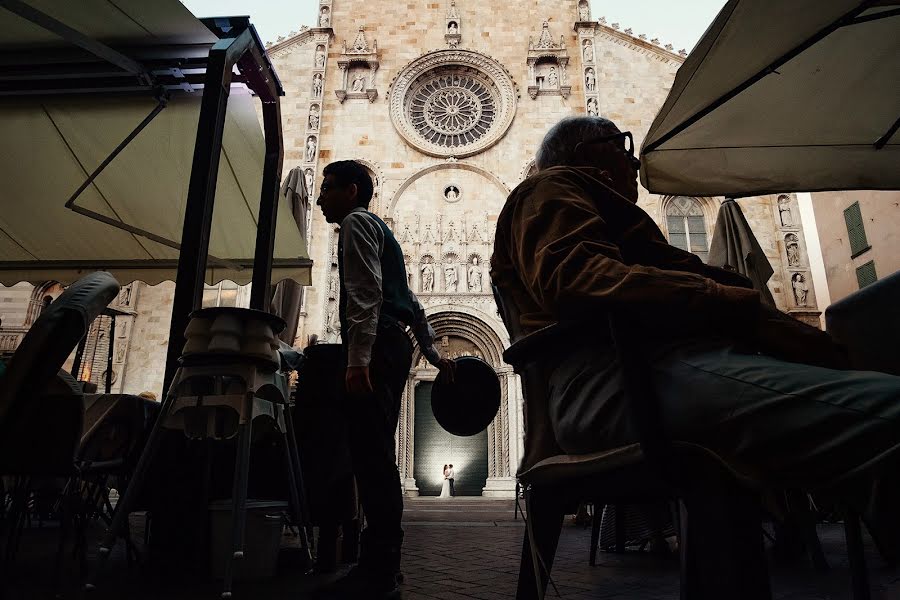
{"x": 465, "y": 549}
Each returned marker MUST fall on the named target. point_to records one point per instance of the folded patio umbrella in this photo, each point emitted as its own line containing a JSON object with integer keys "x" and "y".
{"x": 783, "y": 96}
{"x": 288, "y": 293}
{"x": 734, "y": 244}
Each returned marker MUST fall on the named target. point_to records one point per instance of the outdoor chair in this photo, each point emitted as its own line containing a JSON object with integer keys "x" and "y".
{"x": 41, "y": 407}
{"x": 719, "y": 512}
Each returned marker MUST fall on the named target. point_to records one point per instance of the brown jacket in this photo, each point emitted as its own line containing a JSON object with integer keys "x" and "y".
{"x": 567, "y": 247}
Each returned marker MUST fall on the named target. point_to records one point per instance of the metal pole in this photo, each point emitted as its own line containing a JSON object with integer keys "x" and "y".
{"x": 268, "y": 206}
{"x": 201, "y": 194}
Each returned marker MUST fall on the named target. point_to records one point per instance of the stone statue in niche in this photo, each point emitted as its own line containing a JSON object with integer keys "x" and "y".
{"x": 125, "y": 296}
{"x": 784, "y": 211}
{"x": 333, "y": 287}
{"x": 451, "y": 278}
{"x": 310, "y": 149}
{"x": 308, "y": 175}
{"x": 474, "y": 276}
{"x": 590, "y": 80}
{"x": 427, "y": 278}
{"x": 592, "y": 107}
{"x": 324, "y": 17}
{"x": 588, "y": 52}
{"x": 453, "y": 28}
{"x": 553, "y": 78}
{"x": 584, "y": 12}
{"x": 801, "y": 290}
{"x": 359, "y": 84}
{"x": 120, "y": 353}
{"x": 792, "y": 245}
{"x": 409, "y": 281}
{"x": 451, "y": 194}
{"x": 317, "y": 81}
{"x": 314, "y": 116}
{"x": 320, "y": 57}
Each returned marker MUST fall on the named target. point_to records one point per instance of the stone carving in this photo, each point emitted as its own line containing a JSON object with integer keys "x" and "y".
{"x": 552, "y": 78}
{"x": 454, "y": 26}
{"x": 584, "y": 11}
{"x": 474, "y": 276}
{"x": 311, "y": 148}
{"x": 451, "y": 194}
{"x": 475, "y": 235}
{"x": 590, "y": 80}
{"x": 450, "y": 234}
{"x": 324, "y": 17}
{"x": 120, "y": 353}
{"x": 314, "y": 116}
{"x": 124, "y": 298}
{"x": 592, "y": 108}
{"x": 451, "y": 278}
{"x": 359, "y": 84}
{"x": 360, "y": 44}
{"x": 453, "y": 29}
{"x": 801, "y": 290}
{"x": 427, "y": 278}
{"x": 452, "y": 103}
{"x": 784, "y": 211}
{"x": 792, "y": 245}
{"x": 333, "y": 287}
{"x": 317, "y": 85}
{"x": 588, "y": 51}
{"x": 320, "y": 57}
{"x": 428, "y": 236}
{"x": 309, "y": 176}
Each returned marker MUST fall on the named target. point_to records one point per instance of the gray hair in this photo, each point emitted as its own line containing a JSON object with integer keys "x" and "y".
{"x": 558, "y": 146}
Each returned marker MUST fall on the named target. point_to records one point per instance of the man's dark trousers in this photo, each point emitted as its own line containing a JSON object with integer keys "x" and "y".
{"x": 452, "y": 491}
{"x": 372, "y": 424}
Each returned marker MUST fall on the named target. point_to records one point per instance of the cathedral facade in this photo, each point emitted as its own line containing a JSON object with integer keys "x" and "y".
{"x": 445, "y": 103}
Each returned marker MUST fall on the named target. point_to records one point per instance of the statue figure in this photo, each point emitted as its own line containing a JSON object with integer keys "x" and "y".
{"x": 324, "y": 18}
{"x": 584, "y": 13}
{"x": 314, "y": 117}
{"x": 474, "y": 276}
{"x": 333, "y": 287}
{"x": 793, "y": 254}
{"x": 317, "y": 81}
{"x": 784, "y": 211}
{"x": 320, "y": 57}
{"x": 588, "y": 51}
{"x": 453, "y": 29}
{"x": 427, "y": 278}
{"x": 592, "y": 107}
{"x": 590, "y": 80}
{"x": 310, "y": 149}
{"x": 451, "y": 278}
{"x": 552, "y": 78}
{"x": 452, "y": 194}
{"x": 359, "y": 84}
{"x": 801, "y": 290}
{"x": 308, "y": 175}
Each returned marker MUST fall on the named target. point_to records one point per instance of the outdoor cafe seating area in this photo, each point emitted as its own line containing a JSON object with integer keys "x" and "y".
{"x": 209, "y": 490}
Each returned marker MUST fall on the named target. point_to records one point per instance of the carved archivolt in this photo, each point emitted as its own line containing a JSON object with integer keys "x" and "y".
{"x": 453, "y": 102}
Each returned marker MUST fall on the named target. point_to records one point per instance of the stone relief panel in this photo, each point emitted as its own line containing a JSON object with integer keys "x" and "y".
{"x": 548, "y": 64}
{"x": 358, "y": 64}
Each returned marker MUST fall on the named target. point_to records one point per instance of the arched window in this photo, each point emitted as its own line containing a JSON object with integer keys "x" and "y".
{"x": 687, "y": 226}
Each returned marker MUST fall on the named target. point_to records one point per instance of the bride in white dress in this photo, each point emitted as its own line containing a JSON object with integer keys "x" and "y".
{"x": 445, "y": 488}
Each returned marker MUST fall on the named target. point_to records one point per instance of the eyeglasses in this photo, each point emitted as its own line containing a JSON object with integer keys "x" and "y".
{"x": 622, "y": 140}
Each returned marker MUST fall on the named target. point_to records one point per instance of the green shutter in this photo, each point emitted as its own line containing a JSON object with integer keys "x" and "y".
{"x": 865, "y": 275}
{"x": 856, "y": 230}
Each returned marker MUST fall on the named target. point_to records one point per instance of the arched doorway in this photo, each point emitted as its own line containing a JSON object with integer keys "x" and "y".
{"x": 434, "y": 448}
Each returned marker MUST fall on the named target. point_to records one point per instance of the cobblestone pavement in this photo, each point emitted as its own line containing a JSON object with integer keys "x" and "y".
{"x": 465, "y": 549}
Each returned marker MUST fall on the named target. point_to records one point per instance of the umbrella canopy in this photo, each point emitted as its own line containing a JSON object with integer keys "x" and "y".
{"x": 783, "y": 96}
{"x": 129, "y": 220}
{"x": 733, "y": 244}
{"x": 289, "y": 294}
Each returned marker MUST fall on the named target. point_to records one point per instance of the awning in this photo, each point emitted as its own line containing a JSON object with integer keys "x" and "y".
{"x": 783, "y": 96}
{"x": 52, "y": 141}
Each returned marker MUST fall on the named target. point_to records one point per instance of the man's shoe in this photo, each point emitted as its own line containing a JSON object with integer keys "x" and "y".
{"x": 363, "y": 584}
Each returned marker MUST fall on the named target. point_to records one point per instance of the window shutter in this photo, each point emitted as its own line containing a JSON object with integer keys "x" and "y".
{"x": 856, "y": 230}
{"x": 865, "y": 275}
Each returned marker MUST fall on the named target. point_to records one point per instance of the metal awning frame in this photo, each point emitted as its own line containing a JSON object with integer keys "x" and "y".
{"x": 93, "y": 68}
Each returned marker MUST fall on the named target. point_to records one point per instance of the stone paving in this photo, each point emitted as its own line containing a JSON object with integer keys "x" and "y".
{"x": 466, "y": 549}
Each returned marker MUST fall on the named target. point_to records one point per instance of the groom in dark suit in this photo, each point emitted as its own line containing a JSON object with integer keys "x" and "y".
{"x": 450, "y": 476}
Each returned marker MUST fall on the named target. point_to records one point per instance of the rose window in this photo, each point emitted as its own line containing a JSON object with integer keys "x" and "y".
{"x": 452, "y": 103}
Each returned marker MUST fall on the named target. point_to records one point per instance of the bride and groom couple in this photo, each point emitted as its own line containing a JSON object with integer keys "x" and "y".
{"x": 447, "y": 490}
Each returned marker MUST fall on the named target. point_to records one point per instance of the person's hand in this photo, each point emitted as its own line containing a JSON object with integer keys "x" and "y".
{"x": 787, "y": 338}
{"x": 357, "y": 381}
{"x": 447, "y": 370}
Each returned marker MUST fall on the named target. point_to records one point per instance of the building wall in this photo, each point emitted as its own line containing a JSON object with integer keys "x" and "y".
{"x": 881, "y": 216}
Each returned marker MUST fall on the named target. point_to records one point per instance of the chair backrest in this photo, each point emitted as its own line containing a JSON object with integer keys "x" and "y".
{"x": 49, "y": 342}
{"x": 867, "y": 323}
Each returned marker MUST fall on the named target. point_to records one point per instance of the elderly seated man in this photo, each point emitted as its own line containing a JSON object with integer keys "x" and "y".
{"x": 758, "y": 387}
